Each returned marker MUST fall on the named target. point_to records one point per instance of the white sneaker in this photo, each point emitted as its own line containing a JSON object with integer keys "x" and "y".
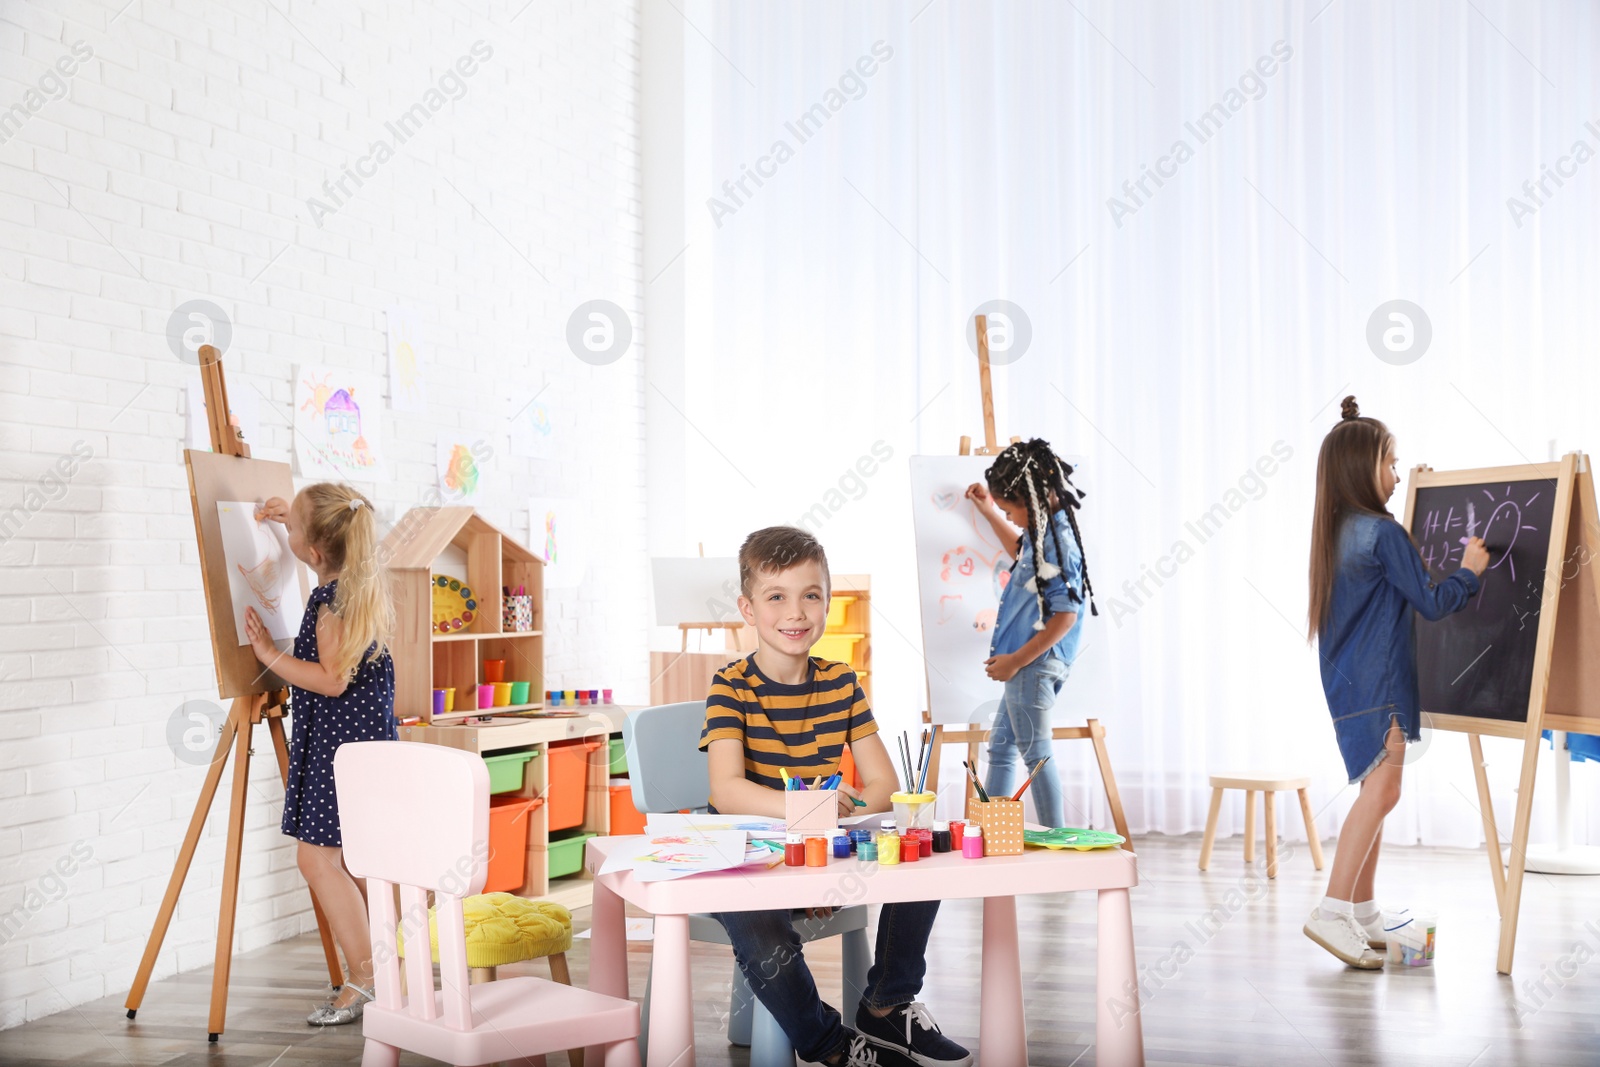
{"x": 1344, "y": 937}
{"x": 1377, "y": 936}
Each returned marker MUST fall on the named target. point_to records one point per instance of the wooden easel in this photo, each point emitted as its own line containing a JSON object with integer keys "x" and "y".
{"x": 972, "y": 735}
{"x": 257, "y": 696}
{"x": 1566, "y": 665}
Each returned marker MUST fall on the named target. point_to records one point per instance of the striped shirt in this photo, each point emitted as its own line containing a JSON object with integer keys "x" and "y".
{"x": 799, "y": 728}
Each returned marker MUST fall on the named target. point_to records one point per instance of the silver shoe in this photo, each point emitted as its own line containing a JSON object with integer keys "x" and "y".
{"x": 328, "y": 1015}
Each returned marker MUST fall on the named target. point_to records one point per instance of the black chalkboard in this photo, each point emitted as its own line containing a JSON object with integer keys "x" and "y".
{"x": 1479, "y": 661}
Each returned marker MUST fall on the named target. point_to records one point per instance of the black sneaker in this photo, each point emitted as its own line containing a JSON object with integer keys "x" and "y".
{"x": 856, "y": 1053}
{"x": 909, "y": 1031}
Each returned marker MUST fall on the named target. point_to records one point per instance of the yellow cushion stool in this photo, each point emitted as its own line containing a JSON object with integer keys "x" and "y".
{"x": 504, "y": 928}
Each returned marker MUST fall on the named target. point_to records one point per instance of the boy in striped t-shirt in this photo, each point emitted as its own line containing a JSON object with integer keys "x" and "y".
{"x": 780, "y": 709}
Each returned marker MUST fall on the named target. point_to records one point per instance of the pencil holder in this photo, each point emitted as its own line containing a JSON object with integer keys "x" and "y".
{"x": 811, "y": 810}
{"x": 518, "y": 615}
{"x": 502, "y": 694}
{"x": 913, "y": 809}
{"x": 1002, "y": 826}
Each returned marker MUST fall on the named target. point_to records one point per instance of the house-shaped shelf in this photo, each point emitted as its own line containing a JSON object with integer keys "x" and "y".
{"x": 464, "y": 548}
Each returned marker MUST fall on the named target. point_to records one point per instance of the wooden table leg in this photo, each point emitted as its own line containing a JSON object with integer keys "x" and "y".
{"x": 1311, "y": 829}
{"x": 1118, "y": 1031}
{"x": 1211, "y": 828}
{"x": 671, "y": 996}
{"x": 1249, "y": 825}
{"x": 1269, "y": 801}
{"x": 1002, "y": 1033}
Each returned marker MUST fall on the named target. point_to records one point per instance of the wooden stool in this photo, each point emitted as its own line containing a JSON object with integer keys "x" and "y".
{"x": 1252, "y": 784}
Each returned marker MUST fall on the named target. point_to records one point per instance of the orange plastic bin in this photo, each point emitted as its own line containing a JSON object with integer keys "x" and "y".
{"x": 625, "y": 818}
{"x": 569, "y": 778}
{"x": 508, "y": 842}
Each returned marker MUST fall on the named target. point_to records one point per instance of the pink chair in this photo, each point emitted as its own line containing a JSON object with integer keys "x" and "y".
{"x": 417, "y": 816}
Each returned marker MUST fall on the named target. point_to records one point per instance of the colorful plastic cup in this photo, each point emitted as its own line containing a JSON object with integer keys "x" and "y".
{"x": 485, "y": 697}
{"x": 606, "y": 694}
{"x": 502, "y": 694}
{"x": 449, "y": 699}
{"x": 494, "y": 670}
{"x": 438, "y": 701}
{"x": 519, "y": 692}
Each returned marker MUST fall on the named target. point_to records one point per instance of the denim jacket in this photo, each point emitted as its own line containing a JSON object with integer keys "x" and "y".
{"x": 1368, "y": 647}
{"x": 1019, "y": 608}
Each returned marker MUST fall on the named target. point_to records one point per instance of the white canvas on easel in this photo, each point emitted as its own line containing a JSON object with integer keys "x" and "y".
{"x": 961, "y": 572}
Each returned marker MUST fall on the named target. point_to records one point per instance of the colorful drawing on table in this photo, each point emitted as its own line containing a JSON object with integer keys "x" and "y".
{"x": 659, "y": 858}
{"x": 558, "y": 534}
{"x": 406, "y": 388}
{"x": 463, "y": 464}
{"x": 756, "y": 826}
{"x": 262, "y": 571}
{"x": 337, "y": 428}
{"x": 244, "y": 405}
{"x": 533, "y": 423}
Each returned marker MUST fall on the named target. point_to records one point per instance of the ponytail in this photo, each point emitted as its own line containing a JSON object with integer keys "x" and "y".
{"x": 341, "y": 524}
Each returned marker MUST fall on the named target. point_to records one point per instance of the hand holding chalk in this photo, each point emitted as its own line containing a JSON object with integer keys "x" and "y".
{"x": 275, "y": 508}
{"x": 1475, "y": 557}
{"x": 978, "y": 493}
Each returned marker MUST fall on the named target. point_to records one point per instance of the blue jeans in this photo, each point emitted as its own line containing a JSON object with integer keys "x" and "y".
{"x": 768, "y": 951}
{"x": 1022, "y": 728}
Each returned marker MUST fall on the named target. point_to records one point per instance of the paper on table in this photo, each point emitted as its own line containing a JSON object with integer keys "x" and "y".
{"x": 660, "y": 857}
{"x": 757, "y": 826}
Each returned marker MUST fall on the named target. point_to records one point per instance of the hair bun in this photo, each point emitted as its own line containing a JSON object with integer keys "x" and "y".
{"x": 1350, "y": 409}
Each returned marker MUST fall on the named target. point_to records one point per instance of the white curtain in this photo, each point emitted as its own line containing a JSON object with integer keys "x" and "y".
{"x": 1193, "y": 311}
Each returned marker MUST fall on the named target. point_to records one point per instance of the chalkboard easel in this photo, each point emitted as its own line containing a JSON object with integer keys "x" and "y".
{"x": 1524, "y": 655}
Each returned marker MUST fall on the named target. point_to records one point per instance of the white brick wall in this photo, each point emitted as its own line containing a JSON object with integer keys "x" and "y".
{"x": 175, "y": 163}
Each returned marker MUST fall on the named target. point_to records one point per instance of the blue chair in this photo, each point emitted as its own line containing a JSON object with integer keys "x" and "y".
{"x": 667, "y": 773}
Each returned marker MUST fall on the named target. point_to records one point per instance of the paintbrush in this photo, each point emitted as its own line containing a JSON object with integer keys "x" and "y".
{"x": 973, "y": 775}
{"x": 1024, "y": 787}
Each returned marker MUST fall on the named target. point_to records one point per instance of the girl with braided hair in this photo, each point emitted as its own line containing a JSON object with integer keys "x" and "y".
{"x": 1041, "y": 610}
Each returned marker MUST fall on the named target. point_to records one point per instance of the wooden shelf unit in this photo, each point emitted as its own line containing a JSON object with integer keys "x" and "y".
{"x": 426, "y": 660}
{"x": 538, "y": 734}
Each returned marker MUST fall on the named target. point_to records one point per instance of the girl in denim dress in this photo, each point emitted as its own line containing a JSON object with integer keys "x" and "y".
{"x": 1040, "y": 619}
{"x": 1367, "y": 583}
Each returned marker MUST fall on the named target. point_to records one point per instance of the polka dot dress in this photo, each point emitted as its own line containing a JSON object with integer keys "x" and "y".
{"x": 321, "y": 724}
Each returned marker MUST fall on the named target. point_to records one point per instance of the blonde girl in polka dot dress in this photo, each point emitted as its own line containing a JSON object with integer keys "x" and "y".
{"x": 341, "y": 688}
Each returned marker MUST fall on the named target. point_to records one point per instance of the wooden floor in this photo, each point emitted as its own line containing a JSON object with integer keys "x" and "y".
{"x": 1229, "y": 979}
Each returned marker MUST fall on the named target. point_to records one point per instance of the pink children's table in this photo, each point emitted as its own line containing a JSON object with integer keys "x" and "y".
{"x": 998, "y": 880}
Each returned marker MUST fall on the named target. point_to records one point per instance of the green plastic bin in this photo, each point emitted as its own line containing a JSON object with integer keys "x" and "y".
{"x": 619, "y": 756}
{"x": 566, "y": 853}
{"x": 505, "y": 770}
